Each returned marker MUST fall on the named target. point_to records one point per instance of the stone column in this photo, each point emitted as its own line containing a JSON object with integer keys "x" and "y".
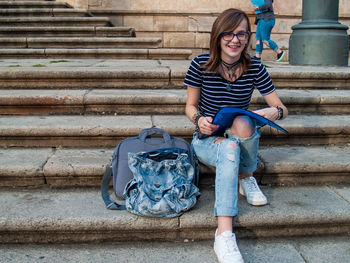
{"x": 319, "y": 39}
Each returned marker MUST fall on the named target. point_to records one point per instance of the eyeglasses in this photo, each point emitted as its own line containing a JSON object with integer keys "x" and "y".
{"x": 241, "y": 35}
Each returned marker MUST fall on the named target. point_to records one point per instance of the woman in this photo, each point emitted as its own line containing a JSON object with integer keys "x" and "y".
{"x": 265, "y": 21}
{"x": 227, "y": 77}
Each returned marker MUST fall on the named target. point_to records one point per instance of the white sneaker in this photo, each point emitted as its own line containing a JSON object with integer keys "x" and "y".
{"x": 249, "y": 188}
{"x": 226, "y": 248}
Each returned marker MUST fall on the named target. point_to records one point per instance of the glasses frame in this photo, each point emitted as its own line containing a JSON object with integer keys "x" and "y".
{"x": 222, "y": 34}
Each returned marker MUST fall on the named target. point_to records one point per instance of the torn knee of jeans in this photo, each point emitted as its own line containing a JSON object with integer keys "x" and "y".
{"x": 230, "y": 156}
{"x": 219, "y": 140}
{"x": 258, "y": 42}
{"x": 232, "y": 145}
{"x": 266, "y": 43}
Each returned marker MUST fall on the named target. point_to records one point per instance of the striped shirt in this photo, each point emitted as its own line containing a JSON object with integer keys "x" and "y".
{"x": 217, "y": 92}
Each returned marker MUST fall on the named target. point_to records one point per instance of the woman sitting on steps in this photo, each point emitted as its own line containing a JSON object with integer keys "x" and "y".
{"x": 227, "y": 77}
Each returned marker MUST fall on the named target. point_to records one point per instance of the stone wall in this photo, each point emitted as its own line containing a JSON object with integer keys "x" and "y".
{"x": 187, "y": 23}
{"x": 282, "y": 6}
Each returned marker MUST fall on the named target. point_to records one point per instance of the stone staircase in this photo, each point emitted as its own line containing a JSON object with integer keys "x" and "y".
{"x": 61, "y": 120}
{"x": 64, "y": 107}
{"x": 50, "y": 29}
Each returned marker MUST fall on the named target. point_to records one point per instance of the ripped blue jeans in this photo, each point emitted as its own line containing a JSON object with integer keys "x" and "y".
{"x": 263, "y": 33}
{"x": 229, "y": 156}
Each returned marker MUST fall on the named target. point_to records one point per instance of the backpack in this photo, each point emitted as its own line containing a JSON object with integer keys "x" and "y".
{"x": 163, "y": 183}
{"x": 148, "y": 140}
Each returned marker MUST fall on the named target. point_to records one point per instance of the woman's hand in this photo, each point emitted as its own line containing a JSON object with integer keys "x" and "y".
{"x": 270, "y": 113}
{"x": 205, "y": 125}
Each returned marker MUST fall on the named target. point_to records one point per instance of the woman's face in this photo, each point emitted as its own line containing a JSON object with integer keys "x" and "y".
{"x": 231, "y": 50}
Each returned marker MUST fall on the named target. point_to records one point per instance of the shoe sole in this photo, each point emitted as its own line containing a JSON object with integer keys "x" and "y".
{"x": 241, "y": 261}
{"x": 262, "y": 203}
{"x": 278, "y": 60}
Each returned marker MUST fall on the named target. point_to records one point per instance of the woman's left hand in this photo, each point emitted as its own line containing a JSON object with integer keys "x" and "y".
{"x": 270, "y": 113}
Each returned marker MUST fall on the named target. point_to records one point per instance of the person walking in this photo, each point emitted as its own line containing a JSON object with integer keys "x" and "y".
{"x": 227, "y": 77}
{"x": 265, "y": 21}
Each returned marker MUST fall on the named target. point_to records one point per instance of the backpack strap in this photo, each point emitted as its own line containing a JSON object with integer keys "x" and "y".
{"x": 153, "y": 131}
{"x": 111, "y": 205}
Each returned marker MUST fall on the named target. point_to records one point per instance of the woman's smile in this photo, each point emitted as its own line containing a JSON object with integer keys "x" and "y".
{"x": 234, "y": 47}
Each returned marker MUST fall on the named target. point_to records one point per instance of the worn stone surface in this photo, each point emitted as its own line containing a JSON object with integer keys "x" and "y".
{"x": 93, "y": 42}
{"x": 342, "y": 191}
{"x": 66, "y": 31}
{"x": 325, "y": 250}
{"x": 77, "y": 167}
{"x": 69, "y": 131}
{"x": 288, "y": 159}
{"x": 42, "y": 97}
{"x": 23, "y": 167}
{"x": 74, "y": 125}
{"x": 137, "y": 96}
{"x": 198, "y": 17}
{"x": 173, "y": 123}
{"x": 84, "y": 167}
{"x": 142, "y": 23}
{"x": 57, "y": 216}
{"x": 292, "y": 250}
{"x": 290, "y": 211}
{"x": 170, "y": 24}
{"x": 308, "y": 129}
{"x": 202, "y": 40}
{"x": 179, "y": 40}
{"x": 100, "y": 73}
{"x": 281, "y": 7}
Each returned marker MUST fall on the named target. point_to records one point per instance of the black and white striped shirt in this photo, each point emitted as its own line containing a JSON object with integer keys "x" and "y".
{"x": 217, "y": 92}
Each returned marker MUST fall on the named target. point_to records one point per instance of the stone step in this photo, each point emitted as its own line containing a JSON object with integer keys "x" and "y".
{"x": 120, "y": 73}
{"x": 55, "y": 21}
{"x": 322, "y": 249}
{"x": 84, "y": 167}
{"x": 27, "y": 0}
{"x": 33, "y": 4}
{"x": 101, "y": 131}
{"x": 105, "y": 53}
{"x": 77, "y": 215}
{"x": 79, "y": 42}
{"x": 160, "y": 101}
{"x": 66, "y": 31}
{"x": 54, "y": 12}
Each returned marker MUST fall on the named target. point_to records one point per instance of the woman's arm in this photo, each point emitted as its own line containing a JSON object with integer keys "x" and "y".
{"x": 204, "y": 123}
{"x": 272, "y": 113}
{"x": 192, "y": 102}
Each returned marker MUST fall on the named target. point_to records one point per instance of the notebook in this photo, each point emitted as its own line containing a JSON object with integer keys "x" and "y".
{"x": 225, "y": 116}
{"x": 258, "y": 3}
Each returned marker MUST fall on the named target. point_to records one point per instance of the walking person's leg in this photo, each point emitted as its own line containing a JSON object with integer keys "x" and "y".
{"x": 259, "y": 44}
{"x": 266, "y": 29}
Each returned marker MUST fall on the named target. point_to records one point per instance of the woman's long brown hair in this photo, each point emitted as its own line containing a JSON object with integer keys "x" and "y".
{"x": 227, "y": 21}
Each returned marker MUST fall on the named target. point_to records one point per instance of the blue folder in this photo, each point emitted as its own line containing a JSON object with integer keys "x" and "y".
{"x": 225, "y": 116}
{"x": 258, "y": 3}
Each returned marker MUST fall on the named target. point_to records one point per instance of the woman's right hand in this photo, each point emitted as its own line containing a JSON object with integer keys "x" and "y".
{"x": 205, "y": 125}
